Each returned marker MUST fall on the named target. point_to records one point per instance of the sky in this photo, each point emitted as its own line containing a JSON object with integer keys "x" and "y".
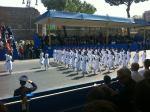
{"x": 102, "y": 7}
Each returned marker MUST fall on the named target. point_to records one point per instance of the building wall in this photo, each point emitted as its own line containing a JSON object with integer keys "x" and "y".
{"x": 21, "y": 20}
{"x": 146, "y": 16}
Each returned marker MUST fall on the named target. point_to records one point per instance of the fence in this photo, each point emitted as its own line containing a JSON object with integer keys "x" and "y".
{"x": 69, "y": 99}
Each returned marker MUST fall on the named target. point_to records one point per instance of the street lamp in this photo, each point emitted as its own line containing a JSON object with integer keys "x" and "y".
{"x": 28, "y": 2}
{"x": 36, "y": 3}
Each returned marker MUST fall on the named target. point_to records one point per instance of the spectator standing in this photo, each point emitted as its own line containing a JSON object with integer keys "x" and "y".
{"x": 134, "y": 72}
{"x": 146, "y": 67}
{"x": 125, "y": 96}
{"x": 21, "y": 52}
{"x": 23, "y": 91}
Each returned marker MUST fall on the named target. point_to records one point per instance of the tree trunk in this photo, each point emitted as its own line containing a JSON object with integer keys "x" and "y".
{"x": 65, "y": 32}
{"x": 128, "y": 15}
{"x": 128, "y": 11}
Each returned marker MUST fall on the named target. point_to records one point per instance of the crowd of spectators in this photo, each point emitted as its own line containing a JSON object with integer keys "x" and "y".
{"x": 100, "y": 40}
{"x": 131, "y": 93}
{"x": 6, "y": 39}
{"x": 26, "y": 50}
{"x": 90, "y": 40}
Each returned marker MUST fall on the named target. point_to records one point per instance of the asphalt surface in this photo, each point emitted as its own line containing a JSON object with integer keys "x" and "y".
{"x": 56, "y": 76}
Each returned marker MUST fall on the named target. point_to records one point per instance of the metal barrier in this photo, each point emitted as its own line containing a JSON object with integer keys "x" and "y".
{"x": 69, "y": 99}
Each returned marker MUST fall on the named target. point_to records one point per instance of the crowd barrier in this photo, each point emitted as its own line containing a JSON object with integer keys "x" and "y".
{"x": 68, "y": 99}
{"x": 2, "y": 54}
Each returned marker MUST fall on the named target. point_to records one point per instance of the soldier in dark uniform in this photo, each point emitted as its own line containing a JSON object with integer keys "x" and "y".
{"x": 23, "y": 90}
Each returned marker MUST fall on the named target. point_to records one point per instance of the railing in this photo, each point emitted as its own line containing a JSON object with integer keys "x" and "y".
{"x": 69, "y": 99}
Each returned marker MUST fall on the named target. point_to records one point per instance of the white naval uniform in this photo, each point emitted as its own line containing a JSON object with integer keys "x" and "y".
{"x": 96, "y": 64}
{"x": 136, "y": 58}
{"x": 9, "y": 64}
{"x": 116, "y": 58}
{"x": 120, "y": 58}
{"x": 84, "y": 64}
{"x": 110, "y": 61}
{"x": 54, "y": 54}
{"x": 124, "y": 60}
{"x": 7, "y": 56}
{"x": 143, "y": 57}
{"x": 46, "y": 61}
{"x": 128, "y": 57}
{"x": 41, "y": 59}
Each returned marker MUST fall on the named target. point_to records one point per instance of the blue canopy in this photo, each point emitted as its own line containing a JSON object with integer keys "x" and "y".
{"x": 82, "y": 19}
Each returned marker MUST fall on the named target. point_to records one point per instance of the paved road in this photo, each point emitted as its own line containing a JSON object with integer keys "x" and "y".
{"x": 55, "y": 77}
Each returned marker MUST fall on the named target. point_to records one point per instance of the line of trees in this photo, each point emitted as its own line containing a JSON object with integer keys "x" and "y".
{"x": 84, "y": 7}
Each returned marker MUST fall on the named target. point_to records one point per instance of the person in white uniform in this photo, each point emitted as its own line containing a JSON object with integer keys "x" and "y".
{"x": 110, "y": 61}
{"x": 9, "y": 64}
{"x": 96, "y": 63}
{"x": 84, "y": 64}
{"x": 124, "y": 59}
{"x": 143, "y": 56}
{"x": 116, "y": 64}
{"x": 136, "y": 57}
{"x": 128, "y": 57}
{"x": 46, "y": 61}
{"x": 41, "y": 59}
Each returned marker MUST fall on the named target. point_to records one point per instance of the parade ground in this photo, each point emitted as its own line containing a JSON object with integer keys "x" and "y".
{"x": 57, "y": 76}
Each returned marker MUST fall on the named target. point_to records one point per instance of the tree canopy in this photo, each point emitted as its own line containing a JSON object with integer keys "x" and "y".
{"x": 128, "y": 3}
{"x": 69, "y": 5}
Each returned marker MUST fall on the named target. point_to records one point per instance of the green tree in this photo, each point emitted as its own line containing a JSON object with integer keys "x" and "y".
{"x": 58, "y": 5}
{"x": 69, "y": 5}
{"x": 128, "y": 3}
{"x": 78, "y": 6}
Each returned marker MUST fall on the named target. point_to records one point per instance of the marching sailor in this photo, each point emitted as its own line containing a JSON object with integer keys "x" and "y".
{"x": 46, "y": 61}
{"x": 41, "y": 59}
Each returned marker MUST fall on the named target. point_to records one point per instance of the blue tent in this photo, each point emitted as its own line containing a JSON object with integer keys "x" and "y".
{"x": 82, "y": 19}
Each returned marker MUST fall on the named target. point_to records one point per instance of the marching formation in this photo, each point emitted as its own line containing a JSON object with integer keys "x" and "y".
{"x": 95, "y": 60}
{"x": 86, "y": 60}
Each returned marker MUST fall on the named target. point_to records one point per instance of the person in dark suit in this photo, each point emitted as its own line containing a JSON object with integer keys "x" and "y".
{"x": 23, "y": 90}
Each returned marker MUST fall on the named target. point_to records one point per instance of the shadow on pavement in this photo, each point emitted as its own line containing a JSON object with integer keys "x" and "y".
{"x": 35, "y": 68}
{"x": 62, "y": 68}
{"x": 73, "y": 74}
{"x": 54, "y": 64}
{"x": 91, "y": 75}
{"x": 2, "y": 71}
{"x": 105, "y": 73}
{"x": 77, "y": 78}
{"x": 3, "y": 75}
{"x": 67, "y": 72}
